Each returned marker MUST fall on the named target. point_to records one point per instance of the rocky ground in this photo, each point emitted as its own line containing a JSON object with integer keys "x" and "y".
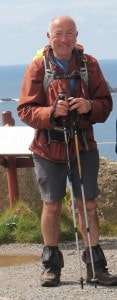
{"x": 21, "y": 281}
{"x": 107, "y": 181}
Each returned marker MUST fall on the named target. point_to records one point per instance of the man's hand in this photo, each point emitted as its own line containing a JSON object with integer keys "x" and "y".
{"x": 80, "y": 104}
{"x": 62, "y": 108}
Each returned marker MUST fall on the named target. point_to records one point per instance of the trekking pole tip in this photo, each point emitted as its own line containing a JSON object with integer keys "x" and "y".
{"x": 94, "y": 280}
{"x": 81, "y": 282}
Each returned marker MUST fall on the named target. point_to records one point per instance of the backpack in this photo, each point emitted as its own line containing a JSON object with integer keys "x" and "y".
{"x": 50, "y": 74}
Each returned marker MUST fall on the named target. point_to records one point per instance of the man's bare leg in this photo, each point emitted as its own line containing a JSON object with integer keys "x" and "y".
{"x": 100, "y": 263}
{"x": 52, "y": 258}
{"x": 93, "y": 223}
{"x": 50, "y": 223}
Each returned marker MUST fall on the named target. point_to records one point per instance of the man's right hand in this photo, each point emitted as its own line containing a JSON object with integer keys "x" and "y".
{"x": 62, "y": 108}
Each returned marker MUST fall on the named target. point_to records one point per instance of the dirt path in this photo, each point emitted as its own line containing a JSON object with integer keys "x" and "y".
{"x": 21, "y": 281}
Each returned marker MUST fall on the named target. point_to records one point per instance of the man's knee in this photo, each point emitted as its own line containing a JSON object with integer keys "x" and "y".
{"x": 52, "y": 208}
{"x": 90, "y": 205}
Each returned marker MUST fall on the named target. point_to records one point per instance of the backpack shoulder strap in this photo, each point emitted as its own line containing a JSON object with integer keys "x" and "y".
{"x": 49, "y": 73}
{"x": 84, "y": 70}
{"x": 46, "y": 63}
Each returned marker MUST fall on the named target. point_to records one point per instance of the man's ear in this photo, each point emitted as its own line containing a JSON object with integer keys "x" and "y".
{"x": 48, "y": 35}
{"x": 76, "y": 35}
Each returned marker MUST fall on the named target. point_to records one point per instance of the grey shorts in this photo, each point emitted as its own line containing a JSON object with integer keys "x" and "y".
{"x": 52, "y": 177}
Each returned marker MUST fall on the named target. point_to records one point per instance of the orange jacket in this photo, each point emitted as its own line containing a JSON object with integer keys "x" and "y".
{"x": 35, "y": 105}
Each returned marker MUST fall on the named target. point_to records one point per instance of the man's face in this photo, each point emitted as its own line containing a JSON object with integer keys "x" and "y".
{"x": 62, "y": 38}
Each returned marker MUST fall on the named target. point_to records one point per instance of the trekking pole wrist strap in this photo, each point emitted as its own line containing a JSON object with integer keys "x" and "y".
{"x": 52, "y": 112}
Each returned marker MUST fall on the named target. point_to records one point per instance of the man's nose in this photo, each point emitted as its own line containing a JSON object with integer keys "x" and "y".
{"x": 63, "y": 37}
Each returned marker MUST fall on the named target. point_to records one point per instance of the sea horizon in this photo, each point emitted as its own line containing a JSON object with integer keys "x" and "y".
{"x": 27, "y": 63}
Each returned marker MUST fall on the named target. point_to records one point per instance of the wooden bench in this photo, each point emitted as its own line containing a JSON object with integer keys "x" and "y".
{"x": 14, "y": 153}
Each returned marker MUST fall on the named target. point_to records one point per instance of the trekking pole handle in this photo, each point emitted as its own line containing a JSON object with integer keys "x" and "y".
{"x": 62, "y": 96}
{"x": 70, "y": 98}
{"x": 73, "y": 113}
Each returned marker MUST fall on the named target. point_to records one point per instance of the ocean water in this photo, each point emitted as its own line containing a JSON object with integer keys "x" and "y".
{"x": 105, "y": 134}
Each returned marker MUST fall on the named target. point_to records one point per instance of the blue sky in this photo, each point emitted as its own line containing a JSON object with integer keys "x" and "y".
{"x": 24, "y": 23}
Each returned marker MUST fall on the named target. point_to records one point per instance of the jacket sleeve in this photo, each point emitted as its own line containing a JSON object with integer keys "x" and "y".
{"x": 99, "y": 94}
{"x": 32, "y": 108}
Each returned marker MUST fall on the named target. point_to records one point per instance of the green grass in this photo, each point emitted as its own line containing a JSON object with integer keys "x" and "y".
{"x": 22, "y": 225}
{"x": 108, "y": 228}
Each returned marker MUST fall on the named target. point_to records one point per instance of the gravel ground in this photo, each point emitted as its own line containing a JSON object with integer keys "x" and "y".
{"x": 21, "y": 282}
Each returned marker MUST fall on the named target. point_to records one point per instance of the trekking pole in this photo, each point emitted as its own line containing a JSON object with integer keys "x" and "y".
{"x": 62, "y": 97}
{"x": 74, "y": 127}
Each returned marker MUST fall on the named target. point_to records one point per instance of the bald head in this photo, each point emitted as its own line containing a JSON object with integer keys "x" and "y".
{"x": 61, "y": 19}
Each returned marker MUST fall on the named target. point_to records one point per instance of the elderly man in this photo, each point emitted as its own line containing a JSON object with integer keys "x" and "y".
{"x": 41, "y": 108}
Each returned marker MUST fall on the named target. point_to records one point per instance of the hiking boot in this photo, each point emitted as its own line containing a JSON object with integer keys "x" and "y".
{"x": 100, "y": 266}
{"x": 50, "y": 277}
{"x": 103, "y": 277}
{"x": 52, "y": 261}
